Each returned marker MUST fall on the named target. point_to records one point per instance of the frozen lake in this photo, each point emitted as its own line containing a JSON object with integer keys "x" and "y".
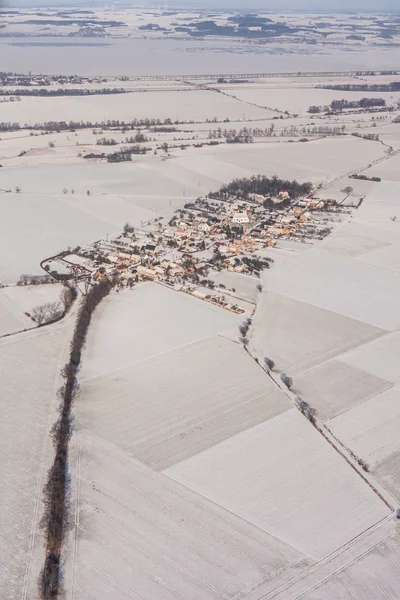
{"x": 178, "y": 57}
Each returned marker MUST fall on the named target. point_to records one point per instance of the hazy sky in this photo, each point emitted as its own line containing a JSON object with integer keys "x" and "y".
{"x": 278, "y": 5}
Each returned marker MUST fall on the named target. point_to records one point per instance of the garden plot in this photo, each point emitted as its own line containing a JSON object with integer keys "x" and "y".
{"x": 298, "y": 336}
{"x": 139, "y": 534}
{"x": 194, "y": 105}
{"x": 29, "y": 366}
{"x": 379, "y": 357}
{"x": 170, "y": 407}
{"x": 148, "y": 321}
{"x": 371, "y": 429}
{"x": 335, "y": 387}
{"x": 34, "y": 227}
{"x": 283, "y": 477}
{"x": 340, "y": 284}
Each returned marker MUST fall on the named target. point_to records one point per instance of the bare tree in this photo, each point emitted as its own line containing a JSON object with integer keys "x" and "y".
{"x": 288, "y": 381}
{"x": 65, "y": 191}
{"x": 347, "y": 190}
{"x": 51, "y": 144}
{"x": 269, "y": 363}
{"x": 88, "y": 193}
{"x": 39, "y": 314}
{"x": 53, "y": 310}
{"x": 17, "y": 189}
{"x": 46, "y": 313}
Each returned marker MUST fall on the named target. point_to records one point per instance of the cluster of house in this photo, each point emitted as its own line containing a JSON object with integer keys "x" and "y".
{"x": 237, "y": 226}
{"x": 203, "y": 235}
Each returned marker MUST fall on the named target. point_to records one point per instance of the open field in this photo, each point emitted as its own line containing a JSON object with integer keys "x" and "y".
{"x": 371, "y": 429}
{"x": 136, "y": 531}
{"x": 170, "y": 407}
{"x": 366, "y": 569}
{"x": 197, "y": 105}
{"x": 316, "y": 161}
{"x": 296, "y": 98}
{"x": 379, "y": 357}
{"x": 147, "y": 322}
{"x": 298, "y": 336}
{"x": 300, "y": 481}
{"x": 335, "y": 387}
{"x": 29, "y": 366}
{"x": 340, "y": 284}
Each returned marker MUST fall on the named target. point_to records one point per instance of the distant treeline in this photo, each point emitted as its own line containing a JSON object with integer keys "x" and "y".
{"x": 364, "y": 87}
{"x": 69, "y": 22}
{"x": 61, "y": 92}
{"x": 73, "y": 125}
{"x": 348, "y": 104}
{"x": 260, "y": 184}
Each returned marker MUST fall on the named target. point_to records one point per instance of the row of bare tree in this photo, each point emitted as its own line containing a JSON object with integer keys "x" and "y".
{"x": 55, "y": 491}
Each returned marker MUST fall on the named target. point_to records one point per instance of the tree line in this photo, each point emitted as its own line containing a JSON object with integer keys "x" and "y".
{"x": 265, "y": 186}
{"x": 56, "y": 488}
{"x": 61, "y": 92}
{"x": 394, "y": 86}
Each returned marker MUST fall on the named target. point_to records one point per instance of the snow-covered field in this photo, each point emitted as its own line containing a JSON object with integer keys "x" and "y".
{"x": 147, "y": 322}
{"x": 138, "y": 532}
{"x": 283, "y": 477}
{"x": 170, "y": 407}
{"x": 29, "y": 367}
{"x": 334, "y": 387}
{"x": 298, "y": 99}
{"x": 297, "y": 335}
{"x": 340, "y": 284}
{"x": 197, "y": 105}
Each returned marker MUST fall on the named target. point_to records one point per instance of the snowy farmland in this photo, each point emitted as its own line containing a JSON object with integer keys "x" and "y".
{"x": 297, "y": 335}
{"x": 197, "y": 105}
{"x": 143, "y": 323}
{"x": 178, "y": 403}
{"x": 283, "y": 477}
{"x": 29, "y": 367}
{"x": 135, "y": 529}
{"x": 340, "y": 284}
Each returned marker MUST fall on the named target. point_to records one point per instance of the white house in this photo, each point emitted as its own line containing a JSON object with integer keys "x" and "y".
{"x": 240, "y": 218}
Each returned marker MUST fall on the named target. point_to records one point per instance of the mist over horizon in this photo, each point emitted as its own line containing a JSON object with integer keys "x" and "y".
{"x": 269, "y": 5}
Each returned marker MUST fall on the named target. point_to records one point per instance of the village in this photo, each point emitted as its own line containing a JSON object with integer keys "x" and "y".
{"x": 215, "y": 233}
